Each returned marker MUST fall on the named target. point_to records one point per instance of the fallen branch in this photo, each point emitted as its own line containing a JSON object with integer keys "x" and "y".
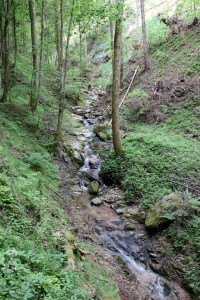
{"x": 129, "y": 87}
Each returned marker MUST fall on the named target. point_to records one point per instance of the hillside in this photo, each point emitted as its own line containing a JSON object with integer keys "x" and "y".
{"x": 78, "y": 222}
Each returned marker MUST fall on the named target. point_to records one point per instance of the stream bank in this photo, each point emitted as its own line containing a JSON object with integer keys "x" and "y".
{"x": 123, "y": 246}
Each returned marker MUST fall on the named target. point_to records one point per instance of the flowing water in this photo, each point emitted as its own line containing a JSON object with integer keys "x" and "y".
{"x": 109, "y": 228}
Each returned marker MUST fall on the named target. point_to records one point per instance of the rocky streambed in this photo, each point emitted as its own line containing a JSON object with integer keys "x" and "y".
{"x": 123, "y": 244}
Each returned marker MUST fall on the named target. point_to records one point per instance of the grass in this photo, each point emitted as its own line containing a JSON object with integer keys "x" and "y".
{"x": 33, "y": 260}
{"x": 160, "y": 159}
{"x": 155, "y": 163}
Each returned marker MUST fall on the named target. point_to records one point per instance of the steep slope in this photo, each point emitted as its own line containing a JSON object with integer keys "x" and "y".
{"x": 162, "y": 150}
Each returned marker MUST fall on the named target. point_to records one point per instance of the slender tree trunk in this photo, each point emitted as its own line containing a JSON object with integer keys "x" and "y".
{"x": 1, "y": 47}
{"x": 111, "y": 27}
{"x": 63, "y": 73}
{"x": 41, "y": 43}
{"x": 57, "y": 34}
{"x": 116, "y": 81}
{"x": 35, "y": 80}
{"x": 14, "y": 44}
{"x": 144, "y": 36}
{"x": 85, "y": 48}
{"x": 80, "y": 48}
{"x": 6, "y": 53}
{"x": 137, "y": 22}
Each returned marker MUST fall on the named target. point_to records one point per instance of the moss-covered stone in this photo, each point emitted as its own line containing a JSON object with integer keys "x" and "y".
{"x": 163, "y": 211}
{"x": 93, "y": 187}
{"x": 102, "y": 130}
{"x": 102, "y": 136}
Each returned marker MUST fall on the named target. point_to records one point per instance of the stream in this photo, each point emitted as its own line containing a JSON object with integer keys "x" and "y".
{"x": 128, "y": 247}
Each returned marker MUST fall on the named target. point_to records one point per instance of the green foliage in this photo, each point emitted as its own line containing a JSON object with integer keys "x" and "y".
{"x": 32, "y": 262}
{"x": 155, "y": 162}
{"x": 156, "y": 31}
{"x": 32, "y": 274}
{"x": 180, "y": 53}
{"x": 106, "y": 75}
{"x": 185, "y": 237}
{"x": 139, "y": 93}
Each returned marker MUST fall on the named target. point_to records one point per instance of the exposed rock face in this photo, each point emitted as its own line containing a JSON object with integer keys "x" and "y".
{"x": 93, "y": 187}
{"x": 162, "y": 212}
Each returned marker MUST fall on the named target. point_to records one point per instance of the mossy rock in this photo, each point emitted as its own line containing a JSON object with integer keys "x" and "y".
{"x": 102, "y": 131}
{"x": 93, "y": 187}
{"x": 162, "y": 212}
{"x": 100, "y": 128}
{"x": 102, "y": 136}
{"x": 133, "y": 214}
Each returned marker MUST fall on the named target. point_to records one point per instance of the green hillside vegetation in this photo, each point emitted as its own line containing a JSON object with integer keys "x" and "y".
{"x": 161, "y": 151}
{"x": 39, "y": 253}
{"x": 34, "y": 247}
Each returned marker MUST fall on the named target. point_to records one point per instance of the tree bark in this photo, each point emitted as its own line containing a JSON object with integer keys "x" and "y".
{"x": 144, "y": 36}
{"x": 63, "y": 71}
{"x": 137, "y": 22}
{"x": 1, "y": 46}
{"x": 6, "y": 53}
{"x": 35, "y": 80}
{"x": 80, "y": 50}
{"x": 116, "y": 81}
{"x": 41, "y": 43}
{"x": 85, "y": 48}
{"x": 111, "y": 27}
{"x": 57, "y": 34}
{"x": 14, "y": 44}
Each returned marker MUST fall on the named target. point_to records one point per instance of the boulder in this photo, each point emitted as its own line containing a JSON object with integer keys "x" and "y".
{"x": 163, "y": 211}
{"x": 96, "y": 201}
{"x": 133, "y": 214}
{"x": 93, "y": 187}
{"x": 119, "y": 211}
{"x": 102, "y": 136}
{"x": 100, "y": 130}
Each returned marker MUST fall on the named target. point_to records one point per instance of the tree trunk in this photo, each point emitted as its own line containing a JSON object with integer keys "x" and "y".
{"x": 35, "y": 80}
{"x": 63, "y": 72}
{"x": 137, "y": 22}
{"x": 85, "y": 48}
{"x": 6, "y": 53}
{"x": 57, "y": 34}
{"x": 116, "y": 81}
{"x": 41, "y": 43}
{"x": 144, "y": 36}
{"x": 1, "y": 47}
{"x": 80, "y": 48}
{"x": 111, "y": 36}
{"x": 14, "y": 44}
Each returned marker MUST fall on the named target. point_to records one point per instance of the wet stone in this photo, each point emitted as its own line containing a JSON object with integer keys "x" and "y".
{"x": 119, "y": 211}
{"x": 96, "y": 201}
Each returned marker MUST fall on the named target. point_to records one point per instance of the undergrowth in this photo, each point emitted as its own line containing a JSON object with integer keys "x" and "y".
{"x": 34, "y": 262}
